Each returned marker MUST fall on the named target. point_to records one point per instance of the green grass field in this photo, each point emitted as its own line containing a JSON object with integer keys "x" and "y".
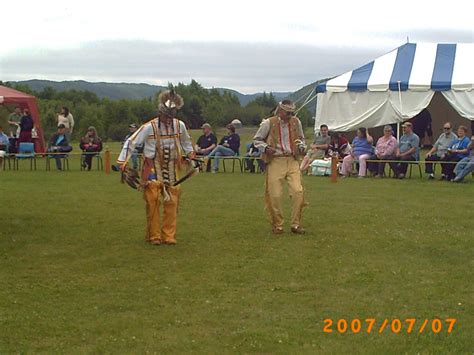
{"x": 76, "y": 275}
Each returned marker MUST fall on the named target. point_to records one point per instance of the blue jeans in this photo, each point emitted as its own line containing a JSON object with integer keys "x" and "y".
{"x": 464, "y": 167}
{"x": 56, "y": 157}
{"x": 220, "y": 151}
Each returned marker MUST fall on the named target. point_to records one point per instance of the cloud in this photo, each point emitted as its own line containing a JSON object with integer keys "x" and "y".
{"x": 248, "y": 67}
{"x": 245, "y": 66}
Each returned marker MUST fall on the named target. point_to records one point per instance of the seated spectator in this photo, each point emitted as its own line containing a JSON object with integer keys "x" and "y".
{"x": 339, "y": 146}
{"x": 250, "y": 155}
{"x": 206, "y": 143}
{"x": 361, "y": 150}
{"x": 440, "y": 149}
{"x": 26, "y": 126}
{"x": 384, "y": 150}
{"x": 59, "y": 144}
{"x": 13, "y": 146}
{"x": 90, "y": 144}
{"x": 456, "y": 152}
{"x": 318, "y": 149}
{"x": 465, "y": 165}
{"x": 14, "y": 120}
{"x": 135, "y": 152}
{"x": 4, "y": 143}
{"x": 228, "y": 146}
{"x": 407, "y": 150}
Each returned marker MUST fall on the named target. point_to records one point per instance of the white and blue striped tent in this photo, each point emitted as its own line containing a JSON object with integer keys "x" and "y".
{"x": 398, "y": 85}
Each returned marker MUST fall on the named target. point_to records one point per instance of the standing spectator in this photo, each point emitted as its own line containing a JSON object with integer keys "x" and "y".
{"x": 250, "y": 157}
{"x": 14, "y": 121}
{"x": 318, "y": 148}
{"x": 66, "y": 118}
{"x": 339, "y": 146}
{"x": 407, "y": 150}
{"x": 422, "y": 125}
{"x": 26, "y": 126}
{"x": 4, "y": 142}
{"x": 440, "y": 149}
{"x": 59, "y": 144}
{"x": 90, "y": 144}
{"x": 361, "y": 150}
{"x": 465, "y": 165}
{"x": 456, "y": 152}
{"x": 384, "y": 150}
{"x": 206, "y": 143}
{"x": 228, "y": 146}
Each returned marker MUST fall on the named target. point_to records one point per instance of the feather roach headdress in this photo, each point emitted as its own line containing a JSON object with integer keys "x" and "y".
{"x": 169, "y": 102}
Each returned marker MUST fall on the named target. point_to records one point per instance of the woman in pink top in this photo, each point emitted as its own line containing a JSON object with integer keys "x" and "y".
{"x": 384, "y": 150}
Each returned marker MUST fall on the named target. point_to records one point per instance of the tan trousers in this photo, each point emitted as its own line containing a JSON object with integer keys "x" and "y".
{"x": 277, "y": 171}
{"x": 165, "y": 232}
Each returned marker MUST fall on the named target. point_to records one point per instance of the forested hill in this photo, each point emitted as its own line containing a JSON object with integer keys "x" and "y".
{"x": 129, "y": 91}
{"x": 112, "y": 117}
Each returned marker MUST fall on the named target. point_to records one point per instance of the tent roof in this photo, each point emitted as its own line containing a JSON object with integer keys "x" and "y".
{"x": 418, "y": 67}
{"x": 6, "y": 92}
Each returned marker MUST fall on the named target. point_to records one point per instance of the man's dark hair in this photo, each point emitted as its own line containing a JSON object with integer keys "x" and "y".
{"x": 323, "y": 126}
{"x": 66, "y": 111}
{"x": 287, "y": 102}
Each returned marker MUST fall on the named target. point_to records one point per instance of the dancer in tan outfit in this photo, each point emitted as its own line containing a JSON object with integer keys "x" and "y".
{"x": 281, "y": 140}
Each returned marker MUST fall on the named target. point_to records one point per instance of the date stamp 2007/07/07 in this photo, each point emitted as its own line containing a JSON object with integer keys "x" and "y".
{"x": 395, "y": 325}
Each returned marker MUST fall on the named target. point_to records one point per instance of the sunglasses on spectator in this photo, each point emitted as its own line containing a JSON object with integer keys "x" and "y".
{"x": 446, "y": 128}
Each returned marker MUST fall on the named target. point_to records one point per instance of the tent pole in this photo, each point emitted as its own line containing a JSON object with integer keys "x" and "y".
{"x": 401, "y": 109}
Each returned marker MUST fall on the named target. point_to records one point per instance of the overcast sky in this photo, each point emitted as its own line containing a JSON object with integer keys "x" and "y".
{"x": 245, "y": 45}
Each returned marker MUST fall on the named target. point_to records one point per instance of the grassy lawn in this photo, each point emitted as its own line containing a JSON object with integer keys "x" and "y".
{"x": 76, "y": 275}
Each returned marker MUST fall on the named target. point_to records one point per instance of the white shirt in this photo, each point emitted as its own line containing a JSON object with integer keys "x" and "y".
{"x": 168, "y": 135}
{"x": 67, "y": 121}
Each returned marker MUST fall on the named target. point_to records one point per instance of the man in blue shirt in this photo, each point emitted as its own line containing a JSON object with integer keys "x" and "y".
{"x": 206, "y": 143}
{"x": 465, "y": 165}
{"x": 407, "y": 150}
{"x": 59, "y": 144}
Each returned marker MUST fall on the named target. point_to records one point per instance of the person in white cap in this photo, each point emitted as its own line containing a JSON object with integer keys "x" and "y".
{"x": 206, "y": 143}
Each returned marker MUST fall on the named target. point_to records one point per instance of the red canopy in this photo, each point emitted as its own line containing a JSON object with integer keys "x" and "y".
{"x": 13, "y": 97}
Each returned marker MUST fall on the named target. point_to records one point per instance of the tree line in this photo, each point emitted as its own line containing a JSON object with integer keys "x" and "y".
{"x": 112, "y": 117}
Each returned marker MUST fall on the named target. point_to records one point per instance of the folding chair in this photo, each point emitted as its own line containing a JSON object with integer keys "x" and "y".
{"x": 234, "y": 158}
{"x": 26, "y": 151}
{"x": 63, "y": 157}
{"x": 98, "y": 156}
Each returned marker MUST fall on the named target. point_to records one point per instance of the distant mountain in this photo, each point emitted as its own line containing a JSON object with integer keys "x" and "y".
{"x": 114, "y": 91}
{"x": 117, "y": 91}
